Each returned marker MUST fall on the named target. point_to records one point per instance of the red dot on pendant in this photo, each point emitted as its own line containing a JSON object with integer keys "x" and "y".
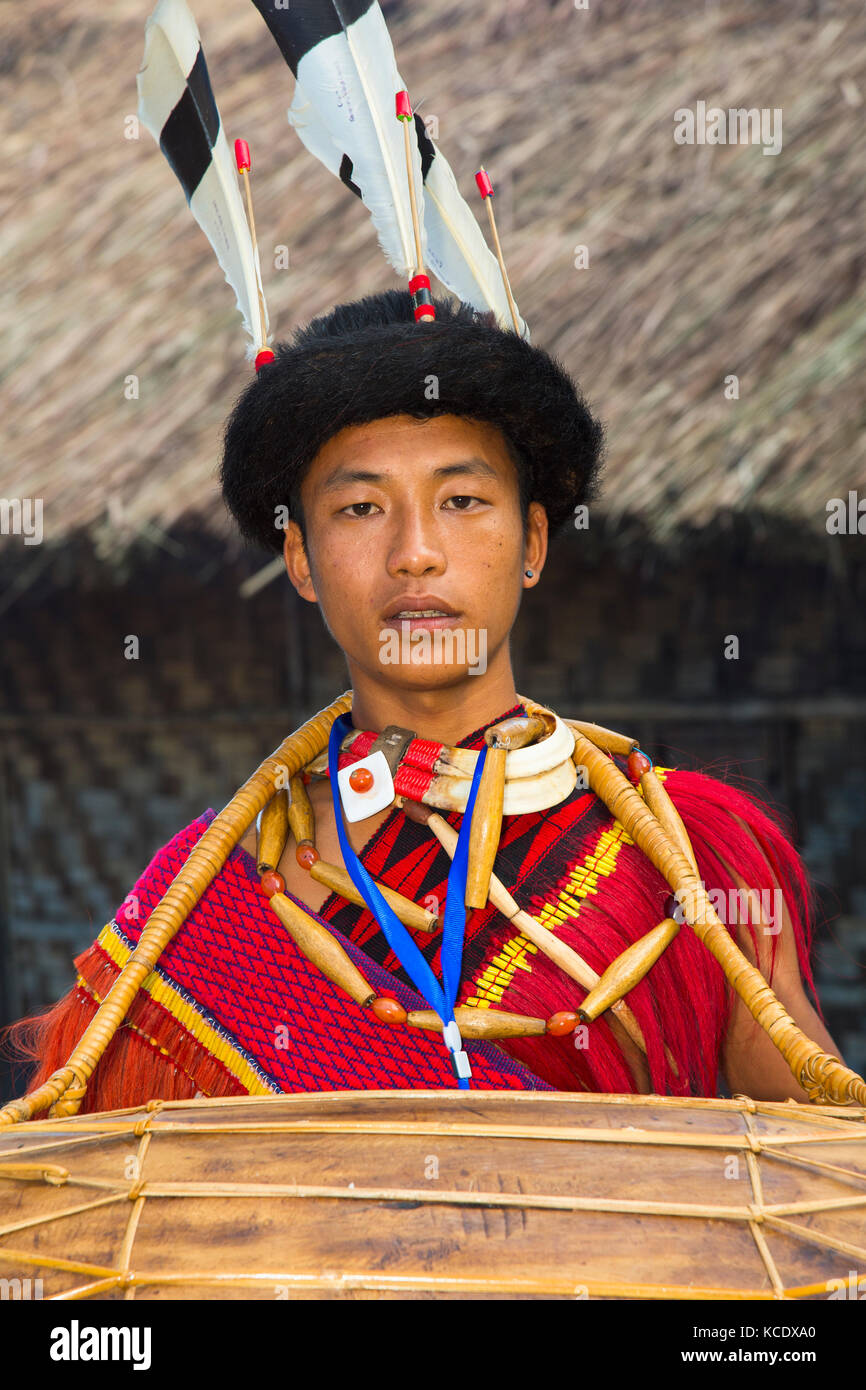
{"x": 272, "y": 883}
{"x": 361, "y": 780}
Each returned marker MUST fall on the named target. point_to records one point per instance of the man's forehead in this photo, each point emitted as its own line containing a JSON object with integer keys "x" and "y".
{"x": 441, "y": 446}
{"x": 343, "y": 474}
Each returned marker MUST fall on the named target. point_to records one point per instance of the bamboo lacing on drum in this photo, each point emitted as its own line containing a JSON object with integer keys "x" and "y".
{"x": 758, "y": 1194}
{"x": 144, "y": 1133}
{"x": 168, "y": 1121}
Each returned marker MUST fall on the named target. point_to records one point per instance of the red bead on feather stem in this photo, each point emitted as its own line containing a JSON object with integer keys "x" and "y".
{"x": 422, "y": 299}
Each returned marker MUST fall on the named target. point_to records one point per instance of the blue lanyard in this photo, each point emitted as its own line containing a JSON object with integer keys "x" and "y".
{"x": 440, "y": 997}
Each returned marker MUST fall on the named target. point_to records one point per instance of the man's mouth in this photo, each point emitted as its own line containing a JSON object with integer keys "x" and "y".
{"x": 427, "y": 619}
{"x": 428, "y": 609}
{"x": 422, "y": 613}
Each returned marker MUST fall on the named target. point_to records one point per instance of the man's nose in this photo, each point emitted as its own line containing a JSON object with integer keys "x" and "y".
{"x": 416, "y": 545}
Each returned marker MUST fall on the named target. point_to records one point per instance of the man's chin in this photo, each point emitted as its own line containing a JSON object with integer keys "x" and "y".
{"x": 416, "y": 679}
{"x": 429, "y": 656}
{"x": 431, "y": 677}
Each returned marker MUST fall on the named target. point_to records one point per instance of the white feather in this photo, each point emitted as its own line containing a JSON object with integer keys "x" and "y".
{"x": 344, "y": 104}
{"x": 171, "y": 44}
{"x": 456, "y": 249}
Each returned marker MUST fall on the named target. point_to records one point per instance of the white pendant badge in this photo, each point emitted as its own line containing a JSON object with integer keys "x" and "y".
{"x": 357, "y": 805}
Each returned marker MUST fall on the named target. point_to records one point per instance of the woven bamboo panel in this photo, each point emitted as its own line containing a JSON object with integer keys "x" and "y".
{"x": 402, "y": 1194}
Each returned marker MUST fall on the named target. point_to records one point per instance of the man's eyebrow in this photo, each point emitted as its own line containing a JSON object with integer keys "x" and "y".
{"x": 342, "y": 477}
{"x": 480, "y": 467}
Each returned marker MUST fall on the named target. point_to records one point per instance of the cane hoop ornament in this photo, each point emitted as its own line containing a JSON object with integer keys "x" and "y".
{"x": 658, "y": 833}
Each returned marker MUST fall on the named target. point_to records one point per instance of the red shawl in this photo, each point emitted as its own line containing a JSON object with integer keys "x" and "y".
{"x": 233, "y": 1008}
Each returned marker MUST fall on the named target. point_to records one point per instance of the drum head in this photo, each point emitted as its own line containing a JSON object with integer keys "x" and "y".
{"x": 443, "y": 1194}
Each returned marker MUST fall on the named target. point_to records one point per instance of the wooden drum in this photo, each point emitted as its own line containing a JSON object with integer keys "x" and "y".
{"x": 444, "y": 1194}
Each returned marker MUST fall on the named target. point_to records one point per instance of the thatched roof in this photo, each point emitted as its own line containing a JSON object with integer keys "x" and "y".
{"x": 704, "y": 261}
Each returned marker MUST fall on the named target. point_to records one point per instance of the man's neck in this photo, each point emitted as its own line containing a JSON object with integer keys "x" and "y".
{"x": 446, "y": 715}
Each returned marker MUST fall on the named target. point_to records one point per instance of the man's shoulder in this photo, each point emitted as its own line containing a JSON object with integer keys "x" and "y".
{"x": 719, "y": 807}
{"x": 163, "y": 868}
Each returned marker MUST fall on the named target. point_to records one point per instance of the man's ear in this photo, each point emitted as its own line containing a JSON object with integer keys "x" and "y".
{"x": 535, "y": 543}
{"x": 297, "y": 562}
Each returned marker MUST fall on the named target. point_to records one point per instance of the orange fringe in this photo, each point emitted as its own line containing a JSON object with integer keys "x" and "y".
{"x": 150, "y": 1056}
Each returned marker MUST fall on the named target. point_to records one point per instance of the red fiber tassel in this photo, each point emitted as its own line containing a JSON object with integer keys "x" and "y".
{"x": 684, "y": 1003}
{"x": 132, "y": 1070}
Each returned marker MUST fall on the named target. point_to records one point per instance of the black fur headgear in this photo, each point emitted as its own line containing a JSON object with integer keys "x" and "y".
{"x": 370, "y": 359}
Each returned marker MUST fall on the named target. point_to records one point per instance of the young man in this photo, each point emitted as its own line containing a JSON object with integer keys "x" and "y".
{"x": 411, "y": 475}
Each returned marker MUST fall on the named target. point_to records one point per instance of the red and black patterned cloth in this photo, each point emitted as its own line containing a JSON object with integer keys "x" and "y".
{"x": 233, "y": 1007}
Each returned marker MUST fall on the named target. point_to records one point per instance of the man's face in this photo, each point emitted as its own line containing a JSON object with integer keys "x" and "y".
{"x": 415, "y": 547}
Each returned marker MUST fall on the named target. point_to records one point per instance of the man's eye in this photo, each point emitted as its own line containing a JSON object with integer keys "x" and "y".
{"x": 358, "y": 508}
{"x": 461, "y": 502}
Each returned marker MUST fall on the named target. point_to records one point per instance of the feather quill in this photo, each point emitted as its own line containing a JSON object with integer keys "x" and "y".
{"x": 176, "y": 104}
